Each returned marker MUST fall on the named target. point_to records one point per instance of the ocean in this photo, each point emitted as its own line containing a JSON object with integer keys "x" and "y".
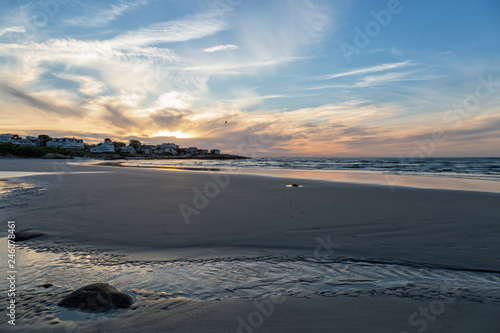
{"x": 466, "y": 168}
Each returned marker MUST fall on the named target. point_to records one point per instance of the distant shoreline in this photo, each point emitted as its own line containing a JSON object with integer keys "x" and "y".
{"x": 119, "y": 164}
{"x": 185, "y": 157}
{"x": 131, "y": 158}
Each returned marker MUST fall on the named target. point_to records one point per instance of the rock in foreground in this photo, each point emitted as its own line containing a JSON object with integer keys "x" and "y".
{"x": 97, "y": 297}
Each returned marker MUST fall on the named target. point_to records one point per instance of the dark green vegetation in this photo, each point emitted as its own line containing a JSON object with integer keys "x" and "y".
{"x": 11, "y": 150}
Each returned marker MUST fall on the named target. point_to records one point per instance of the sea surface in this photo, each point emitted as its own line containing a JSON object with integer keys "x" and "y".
{"x": 466, "y": 168}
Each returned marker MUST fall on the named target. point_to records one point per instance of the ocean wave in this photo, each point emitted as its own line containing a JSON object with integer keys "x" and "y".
{"x": 467, "y": 168}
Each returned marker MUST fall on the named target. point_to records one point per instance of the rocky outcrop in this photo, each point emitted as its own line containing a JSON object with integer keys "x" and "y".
{"x": 55, "y": 156}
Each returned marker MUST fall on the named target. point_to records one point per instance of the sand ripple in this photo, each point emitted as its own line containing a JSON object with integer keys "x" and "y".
{"x": 233, "y": 277}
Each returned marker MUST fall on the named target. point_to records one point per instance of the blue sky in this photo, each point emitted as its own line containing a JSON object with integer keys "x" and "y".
{"x": 292, "y": 78}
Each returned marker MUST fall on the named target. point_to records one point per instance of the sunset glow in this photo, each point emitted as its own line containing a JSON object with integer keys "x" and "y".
{"x": 307, "y": 72}
{"x": 176, "y": 134}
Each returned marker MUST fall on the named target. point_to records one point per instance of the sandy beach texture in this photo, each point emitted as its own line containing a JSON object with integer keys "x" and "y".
{"x": 158, "y": 217}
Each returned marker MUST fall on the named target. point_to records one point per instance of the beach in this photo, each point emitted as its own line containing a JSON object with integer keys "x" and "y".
{"x": 366, "y": 257}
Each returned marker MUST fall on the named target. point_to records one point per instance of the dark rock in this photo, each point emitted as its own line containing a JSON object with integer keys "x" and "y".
{"x": 25, "y": 235}
{"x": 295, "y": 185}
{"x": 47, "y": 285}
{"x": 97, "y": 297}
{"x": 55, "y": 156}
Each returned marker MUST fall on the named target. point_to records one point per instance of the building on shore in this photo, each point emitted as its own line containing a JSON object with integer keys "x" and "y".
{"x": 105, "y": 147}
{"x": 26, "y": 142}
{"x": 4, "y": 138}
{"x": 148, "y": 149}
{"x": 17, "y": 140}
{"x": 192, "y": 150}
{"x": 69, "y": 143}
{"x": 127, "y": 149}
{"x": 169, "y": 148}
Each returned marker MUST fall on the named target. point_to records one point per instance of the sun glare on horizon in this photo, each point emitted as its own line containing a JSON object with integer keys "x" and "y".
{"x": 176, "y": 134}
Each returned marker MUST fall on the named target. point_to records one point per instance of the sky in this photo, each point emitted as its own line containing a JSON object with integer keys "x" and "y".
{"x": 332, "y": 78}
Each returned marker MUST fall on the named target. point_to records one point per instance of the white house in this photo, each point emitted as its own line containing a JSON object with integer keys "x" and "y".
{"x": 106, "y": 147}
{"x": 148, "y": 149}
{"x": 71, "y": 143}
{"x": 169, "y": 148}
{"x": 17, "y": 140}
{"x": 128, "y": 149}
{"x": 6, "y": 137}
{"x": 25, "y": 142}
{"x": 33, "y": 139}
{"x": 192, "y": 150}
{"x": 215, "y": 151}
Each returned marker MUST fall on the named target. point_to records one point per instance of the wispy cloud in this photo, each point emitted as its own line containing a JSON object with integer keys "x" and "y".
{"x": 11, "y": 29}
{"x": 101, "y": 17}
{"x": 239, "y": 67}
{"x": 259, "y": 97}
{"x": 366, "y": 70}
{"x": 373, "y": 80}
{"x": 172, "y": 31}
{"x": 129, "y": 62}
{"x": 227, "y": 47}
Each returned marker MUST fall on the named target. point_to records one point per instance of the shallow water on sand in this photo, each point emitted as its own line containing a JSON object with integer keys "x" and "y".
{"x": 226, "y": 277}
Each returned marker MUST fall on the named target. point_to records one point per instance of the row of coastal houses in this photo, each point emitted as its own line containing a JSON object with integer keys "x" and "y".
{"x": 35, "y": 142}
{"x": 171, "y": 148}
{"x": 18, "y": 140}
{"x": 107, "y": 146}
{"x": 70, "y": 143}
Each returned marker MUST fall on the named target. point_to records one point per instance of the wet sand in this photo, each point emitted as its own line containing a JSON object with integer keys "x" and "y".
{"x": 152, "y": 216}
